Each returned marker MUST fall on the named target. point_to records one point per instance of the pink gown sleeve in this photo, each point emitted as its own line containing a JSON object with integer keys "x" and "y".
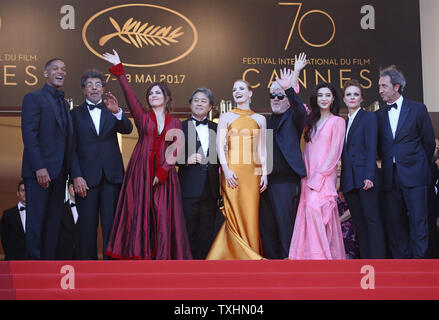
{"x": 133, "y": 102}
{"x": 335, "y": 149}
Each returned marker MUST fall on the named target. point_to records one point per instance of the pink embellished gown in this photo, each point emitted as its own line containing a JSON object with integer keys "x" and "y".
{"x": 317, "y": 231}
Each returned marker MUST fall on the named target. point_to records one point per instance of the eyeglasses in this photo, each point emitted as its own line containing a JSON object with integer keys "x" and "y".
{"x": 279, "y": 96}
{"x": 91, "y": 85}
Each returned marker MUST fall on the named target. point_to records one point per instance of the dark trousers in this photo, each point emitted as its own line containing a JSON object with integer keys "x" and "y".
{"x": 44, "y": 209}
{"x": 101, "y": 201}
{"x": 277, "y": 215}
{"x": 200, "y": 216}
{"x": 406, "y": 216}
{"x": 364, "y": 208}
{"x": 433, "y": 240}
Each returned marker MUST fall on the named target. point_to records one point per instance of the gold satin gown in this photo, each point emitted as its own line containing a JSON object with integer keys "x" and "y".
{"x": 238, "y": 238}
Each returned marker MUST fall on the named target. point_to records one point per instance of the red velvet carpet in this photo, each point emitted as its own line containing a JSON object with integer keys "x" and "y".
{"x": 220, "y": 280}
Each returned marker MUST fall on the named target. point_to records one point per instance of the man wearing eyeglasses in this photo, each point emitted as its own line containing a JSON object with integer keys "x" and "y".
{"x": 279, "y": 202}
{"x": 97, "y": 165}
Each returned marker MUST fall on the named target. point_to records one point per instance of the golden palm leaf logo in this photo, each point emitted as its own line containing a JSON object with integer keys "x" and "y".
{"x": 135, "y": 33}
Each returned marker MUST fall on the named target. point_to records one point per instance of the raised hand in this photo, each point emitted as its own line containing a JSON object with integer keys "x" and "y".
{"x": 111, "y": 103}
{"x": 285, "y": 78}
{"x": 112, "y": 58}
{"x": 300, "y": 62}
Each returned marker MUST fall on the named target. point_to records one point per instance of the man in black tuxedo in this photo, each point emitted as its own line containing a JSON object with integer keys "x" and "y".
{"x": 198, "y": 174}
{"x": 97, "y": 165}
{"x": 47, "y": 133}
{"x": 358, "y": 182}
{"x": 279, "y": 203}
{"x": 406, "y": 140}
{"x": 68, "y": 247}
{"x": 12, "y": 228}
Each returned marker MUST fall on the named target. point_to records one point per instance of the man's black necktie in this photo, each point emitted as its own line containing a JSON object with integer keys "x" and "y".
{"x": 62, "y": 106}
{"x": 72, "y": 205}
{"x": 392, "y": 106}
{"x": 197, "y": 123}
{"x": 22, "y": 208}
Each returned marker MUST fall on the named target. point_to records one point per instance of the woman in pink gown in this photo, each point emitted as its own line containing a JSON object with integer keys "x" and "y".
{"x": 317, "y": 231}
{"x": 149, "y": 222}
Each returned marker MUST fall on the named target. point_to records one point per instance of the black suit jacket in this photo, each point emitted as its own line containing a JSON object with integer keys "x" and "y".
{"x": 94, "y": 154}
{"x": 413, "y": 146}
{"x": 193, "y": 177}
{"x": 290, "y": 131}
{"x": 68, "y": 246}
{"x": 359, "y": 152}
{"x": 12, "y": 235}
{"x": 47, "y": 143}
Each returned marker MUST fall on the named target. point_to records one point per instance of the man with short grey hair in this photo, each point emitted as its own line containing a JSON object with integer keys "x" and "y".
{"x": 278, "y": 206}
{"x": 406, "y": 143}
{"x": 97, "y": 166}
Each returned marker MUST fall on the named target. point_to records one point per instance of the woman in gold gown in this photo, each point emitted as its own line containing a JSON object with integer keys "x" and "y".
{"x": 242, "y": 154}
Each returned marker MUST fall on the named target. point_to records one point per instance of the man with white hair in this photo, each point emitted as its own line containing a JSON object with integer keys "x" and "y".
{"x": 279, "y": 202}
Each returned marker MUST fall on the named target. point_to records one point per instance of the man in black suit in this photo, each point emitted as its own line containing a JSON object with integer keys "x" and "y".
{"x": 358, "y": 182}
{"x": 433, "y": 216}
{"x": 406, "y": 140}
{"x": 97, "y": 165}
{"x": 47, "y": 138}
{"x": 278, "y": 204}
{"x": 12, "y": 228}
{"x": 68, "y": 247}
{"x": 198, "y": 174}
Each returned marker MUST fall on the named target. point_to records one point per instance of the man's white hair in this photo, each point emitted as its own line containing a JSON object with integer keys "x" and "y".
{"x": 274, "y": 86}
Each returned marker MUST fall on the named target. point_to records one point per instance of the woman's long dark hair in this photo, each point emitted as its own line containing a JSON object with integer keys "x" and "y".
{"x": 166, "y": 93}
{"x": 314, "y": 115}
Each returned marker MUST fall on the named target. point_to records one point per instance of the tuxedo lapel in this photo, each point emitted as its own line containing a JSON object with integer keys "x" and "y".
{"x": 191, "y": 126}
{"x": 212, "y": 137}
{"x": 354, "y": 125}
{"x": 86, "y": 117}
{"x": 191, "y": 136}
{"x": 284, "y": 118}
{"x": 56, "y": 111}
{"x": 387, "y": 127}
{"x": 105, "y": 113}
{"x": 18, "y": 220}
{"x": 402, "y": 117}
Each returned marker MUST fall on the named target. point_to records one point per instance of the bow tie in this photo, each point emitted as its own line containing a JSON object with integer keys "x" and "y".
{"x": 72, "y": 205}
{"x": 22, "y": 208}
{"x": 92, "y": 106}
{"x": 197, "y": 123}
{"x": 390, "y": 106}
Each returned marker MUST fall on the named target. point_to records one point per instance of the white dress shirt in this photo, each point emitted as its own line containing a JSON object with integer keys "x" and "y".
{"x": 394, "y": 115}
{"x": 74, "y": 211}
{"x": 22, "y": 215}
{"x": 351, "y": 119}
{"x": 203, "y": 135}
{"x": 96, "y": 114}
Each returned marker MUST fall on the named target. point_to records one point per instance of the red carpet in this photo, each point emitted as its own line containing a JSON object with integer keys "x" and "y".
{"x": 220, "y": 280}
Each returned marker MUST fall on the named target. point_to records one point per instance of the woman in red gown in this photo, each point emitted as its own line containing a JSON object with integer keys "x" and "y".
{"x": 149, "y": 221}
